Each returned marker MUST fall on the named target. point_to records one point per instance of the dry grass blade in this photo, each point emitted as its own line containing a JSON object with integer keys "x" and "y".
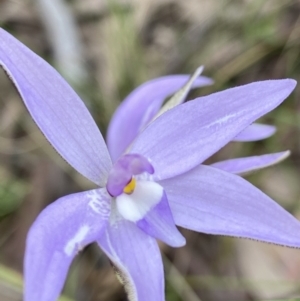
{"x": 179, "y": 96}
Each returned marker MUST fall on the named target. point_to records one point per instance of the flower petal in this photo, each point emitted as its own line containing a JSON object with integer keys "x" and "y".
{"x": 188, "y": 134}
{"x": 250, "y": 164}
{"x": 212, "y": 201}
{"x": 63, "y": 229}
{"x": 137, "y": 260}
{"x": 140, "y": 106}
{"x": 148, "y": 207}
{"x": 255, "y": 132}
{"x": 56, "y": 109}
{"x": 159, "y": 223}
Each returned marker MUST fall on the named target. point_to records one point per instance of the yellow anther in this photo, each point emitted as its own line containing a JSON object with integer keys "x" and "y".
{"x": 129, "y": 188}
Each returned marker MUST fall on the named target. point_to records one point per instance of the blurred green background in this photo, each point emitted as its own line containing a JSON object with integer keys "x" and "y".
{"x": 107, "y": 48}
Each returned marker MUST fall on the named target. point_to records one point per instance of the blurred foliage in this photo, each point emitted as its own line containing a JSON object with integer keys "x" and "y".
{"x": 12, "y": 193}
{"x": 12, "y": 281}
{"x": 124, "y": 44}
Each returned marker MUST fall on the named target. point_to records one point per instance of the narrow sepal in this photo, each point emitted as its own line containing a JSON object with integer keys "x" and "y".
{"x": 247, "y": 165}
{"x": 255, "y": 132}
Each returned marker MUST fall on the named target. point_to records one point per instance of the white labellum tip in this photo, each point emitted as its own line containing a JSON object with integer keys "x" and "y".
{"x": 135, "y": 206}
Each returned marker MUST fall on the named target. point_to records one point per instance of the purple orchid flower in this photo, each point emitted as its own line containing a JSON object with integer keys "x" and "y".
{"x": 159, "y": 182}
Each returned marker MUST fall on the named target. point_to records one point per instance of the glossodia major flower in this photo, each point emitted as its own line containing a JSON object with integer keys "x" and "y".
{"x": 154, "y": 185}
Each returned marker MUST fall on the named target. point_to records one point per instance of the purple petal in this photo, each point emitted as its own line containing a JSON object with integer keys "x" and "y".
{"x": 159, "y": 223}
{"x": 56, "y": 109}
{"x": 61, "y": 231}
{"x": 212, "y": 201}
{"x": 255, "y": 132}
{"x": 188, "y": 134}
{"x": 249, "y": 164}
{"x": 123, "y": 170}
{"x": 140, "y": 106}
{"x": 137, "y": 259}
